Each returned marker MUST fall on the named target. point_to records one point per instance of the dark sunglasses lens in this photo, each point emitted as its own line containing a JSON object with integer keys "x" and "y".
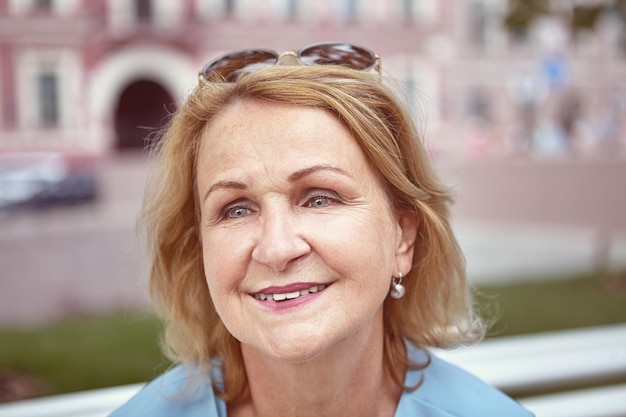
{"x": 338, "y": 54}
{"x": 229, "y": 67}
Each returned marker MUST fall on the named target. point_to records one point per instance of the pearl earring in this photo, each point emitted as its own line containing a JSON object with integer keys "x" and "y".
{"x": 397, "y": 289}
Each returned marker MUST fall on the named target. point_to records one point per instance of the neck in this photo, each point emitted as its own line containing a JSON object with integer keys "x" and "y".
{"x": 350, "y": 379}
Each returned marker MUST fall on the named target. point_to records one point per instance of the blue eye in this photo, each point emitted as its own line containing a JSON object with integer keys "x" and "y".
{"x": 319, "y": 201}
{"x": 322, "y": 198}
{"x": 236, "y": 212}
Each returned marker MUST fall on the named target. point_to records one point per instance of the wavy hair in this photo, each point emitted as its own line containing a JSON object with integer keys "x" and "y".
{"x": 437, "y": 309}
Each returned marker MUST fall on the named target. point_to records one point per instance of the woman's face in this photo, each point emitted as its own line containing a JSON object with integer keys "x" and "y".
{"x": 299, "y": 240}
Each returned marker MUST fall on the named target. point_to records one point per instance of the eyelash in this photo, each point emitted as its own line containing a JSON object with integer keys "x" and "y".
{"x": 331, "y": 197}
{"x": 237, "y": 205}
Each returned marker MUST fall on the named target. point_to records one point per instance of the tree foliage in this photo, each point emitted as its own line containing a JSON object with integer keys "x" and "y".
{"x": 582, "y": 17}
{"x": 521, "y": 13}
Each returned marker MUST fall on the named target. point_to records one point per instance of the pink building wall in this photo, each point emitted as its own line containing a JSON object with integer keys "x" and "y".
{"x": 468, "y": 78}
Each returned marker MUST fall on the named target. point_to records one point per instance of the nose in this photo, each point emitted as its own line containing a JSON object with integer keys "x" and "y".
{"x": 278, "y": 243}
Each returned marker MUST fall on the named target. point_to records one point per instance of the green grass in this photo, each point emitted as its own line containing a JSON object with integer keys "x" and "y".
{"x": 84, "y": 353}
{"x": 555, "y": 304}
{"x": 87, "y": 353}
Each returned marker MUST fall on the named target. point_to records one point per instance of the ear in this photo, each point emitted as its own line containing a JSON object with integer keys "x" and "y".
{"x": 408, "y": 226}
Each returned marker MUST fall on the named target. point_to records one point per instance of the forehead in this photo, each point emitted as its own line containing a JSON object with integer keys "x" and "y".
{"x": 268, "y": 129}
{"x": 265, "y": 136}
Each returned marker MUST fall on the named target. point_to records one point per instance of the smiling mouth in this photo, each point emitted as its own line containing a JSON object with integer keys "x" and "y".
{"x": 289, "y": 295}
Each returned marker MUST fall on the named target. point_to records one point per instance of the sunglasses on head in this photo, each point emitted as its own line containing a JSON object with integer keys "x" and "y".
{"x": 228, "y": 67}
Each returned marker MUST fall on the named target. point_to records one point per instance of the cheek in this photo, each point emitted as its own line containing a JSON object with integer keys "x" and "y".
{"x": 221, "y": 259}
{"x": 361, "y": 242}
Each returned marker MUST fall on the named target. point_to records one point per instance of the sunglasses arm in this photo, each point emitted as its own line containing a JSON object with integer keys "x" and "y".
{"x": 378, "y": 66}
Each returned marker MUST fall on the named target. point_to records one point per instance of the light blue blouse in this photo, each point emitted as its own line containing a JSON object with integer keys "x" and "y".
{"x": 447, "y": 391}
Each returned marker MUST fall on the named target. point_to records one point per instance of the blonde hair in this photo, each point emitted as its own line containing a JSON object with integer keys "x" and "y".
{"x": 437, "y": 308}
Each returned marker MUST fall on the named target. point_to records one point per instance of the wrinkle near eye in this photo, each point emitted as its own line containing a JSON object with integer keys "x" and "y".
{"x": 216, "y": 212}
{"x": 320, "y": 198}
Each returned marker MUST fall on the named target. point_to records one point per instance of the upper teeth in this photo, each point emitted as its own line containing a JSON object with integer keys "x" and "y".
{"x": 288, "y": 295}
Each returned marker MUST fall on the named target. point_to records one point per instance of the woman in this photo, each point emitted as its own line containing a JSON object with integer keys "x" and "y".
{"x": 303, "y": 258}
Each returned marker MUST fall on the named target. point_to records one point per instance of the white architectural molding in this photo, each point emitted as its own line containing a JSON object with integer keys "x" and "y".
{"x": 59, "y": 7}
{"x": 165, "y": 13}
{"x": 64, "y": 64}
{"x": 427, "y": 10}
{"x": 65, "y": 7}
{"x": 168, "y": 13}
{"x": 169, "y": 68}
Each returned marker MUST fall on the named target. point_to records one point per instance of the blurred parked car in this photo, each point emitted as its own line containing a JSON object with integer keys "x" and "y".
{"x": 34, "y": 180}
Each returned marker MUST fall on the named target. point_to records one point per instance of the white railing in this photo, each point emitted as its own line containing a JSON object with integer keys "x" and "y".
{"x": 94, "y": 403}
{"x": 518, "y": 364}
{"x": 554, "y": 361}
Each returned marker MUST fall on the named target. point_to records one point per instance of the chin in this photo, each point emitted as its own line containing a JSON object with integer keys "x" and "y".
{"x": 296, "y": 350}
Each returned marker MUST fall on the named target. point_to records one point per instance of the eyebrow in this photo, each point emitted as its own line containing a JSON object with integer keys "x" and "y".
{"x": 296, "y": 176}
{"x": 220, "y": 185}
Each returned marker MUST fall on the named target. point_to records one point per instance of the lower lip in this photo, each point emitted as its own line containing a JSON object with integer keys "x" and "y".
{"x": 290, "y": 304}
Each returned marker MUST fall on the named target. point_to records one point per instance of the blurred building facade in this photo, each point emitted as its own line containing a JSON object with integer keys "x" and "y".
{"x": 99, "y": 76}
